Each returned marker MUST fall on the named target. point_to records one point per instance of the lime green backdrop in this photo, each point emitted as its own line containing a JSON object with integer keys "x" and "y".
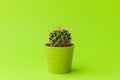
{"x": 24, "y": 29}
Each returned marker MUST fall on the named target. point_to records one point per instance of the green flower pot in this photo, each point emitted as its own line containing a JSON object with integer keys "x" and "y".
{"x": 59, "y": 59}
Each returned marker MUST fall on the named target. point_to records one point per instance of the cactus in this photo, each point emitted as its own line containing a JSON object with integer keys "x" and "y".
{"x": 59, "y": 38}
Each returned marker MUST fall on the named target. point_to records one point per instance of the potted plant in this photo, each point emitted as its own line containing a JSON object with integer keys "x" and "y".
{"x": 59, "y": 51}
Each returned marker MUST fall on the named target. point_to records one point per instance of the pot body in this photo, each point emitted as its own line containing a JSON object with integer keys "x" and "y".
{"x": 59, "y": 59}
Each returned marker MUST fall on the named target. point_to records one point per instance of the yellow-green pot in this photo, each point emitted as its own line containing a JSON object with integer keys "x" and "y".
{"x": 59, "y": 59}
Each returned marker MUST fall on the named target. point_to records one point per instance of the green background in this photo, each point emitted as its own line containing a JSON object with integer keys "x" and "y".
{"x": 24, "y": 29}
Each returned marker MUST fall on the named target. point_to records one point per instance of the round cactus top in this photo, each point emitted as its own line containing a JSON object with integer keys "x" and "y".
{"x": 59, "y": 37}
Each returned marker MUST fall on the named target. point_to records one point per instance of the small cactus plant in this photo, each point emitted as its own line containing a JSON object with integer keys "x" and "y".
{"x": 59, "y": 38}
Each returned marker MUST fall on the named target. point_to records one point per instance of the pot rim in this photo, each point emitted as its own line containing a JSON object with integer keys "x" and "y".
{"x": 61, "y": 47}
